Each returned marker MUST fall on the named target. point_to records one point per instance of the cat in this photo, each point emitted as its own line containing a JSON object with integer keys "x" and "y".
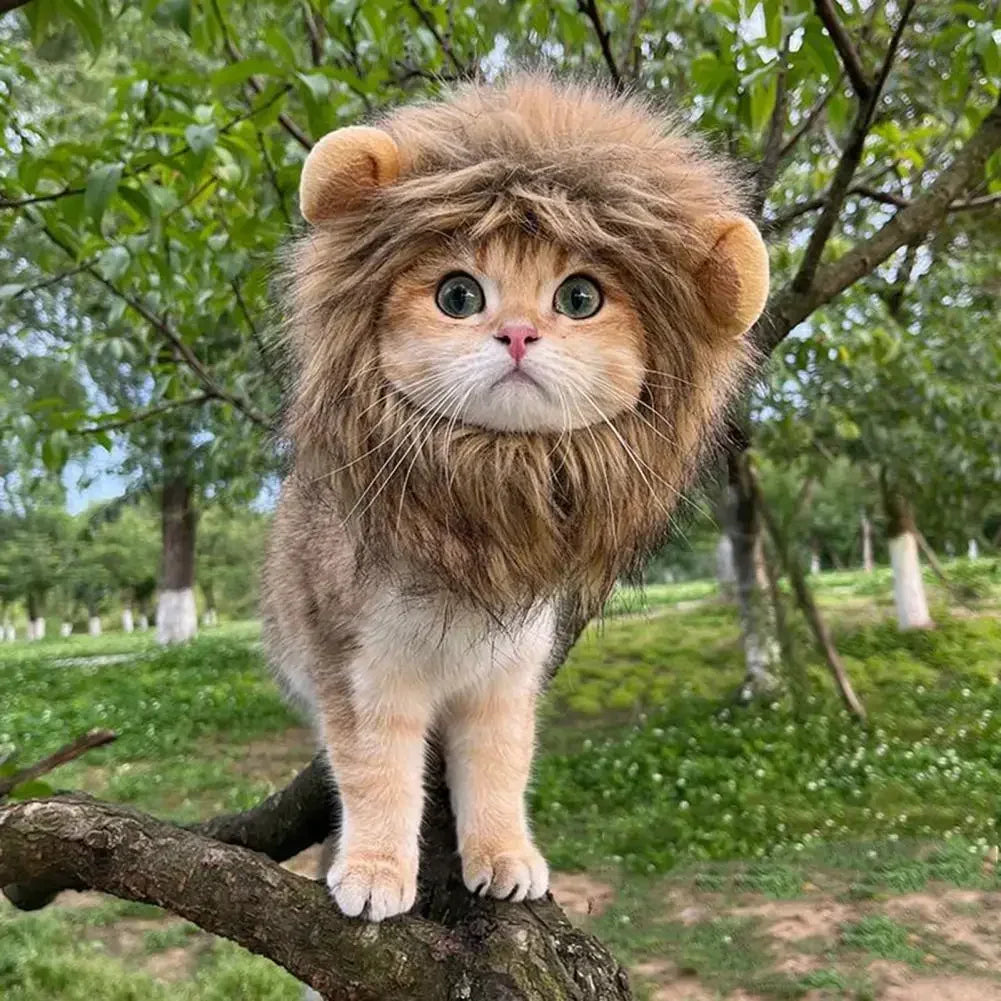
{"x": 517, "y": 318}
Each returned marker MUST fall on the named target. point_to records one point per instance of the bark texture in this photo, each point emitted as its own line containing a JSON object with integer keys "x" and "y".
{"x": 454, "y": 946}
{"x": 908, "y": 584}
{"x": 762, "y": 651}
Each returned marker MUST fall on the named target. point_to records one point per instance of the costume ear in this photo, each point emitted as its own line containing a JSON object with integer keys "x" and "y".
{"x": 733, "y": 280}
{"x": 343, "y": 167}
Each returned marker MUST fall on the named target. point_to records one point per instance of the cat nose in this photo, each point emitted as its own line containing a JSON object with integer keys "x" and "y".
{"x": 517, "y": 339}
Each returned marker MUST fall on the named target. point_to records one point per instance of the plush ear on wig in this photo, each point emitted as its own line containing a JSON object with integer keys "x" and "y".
{"x": 733, "y": 279}
{"x": 343, "y": 168}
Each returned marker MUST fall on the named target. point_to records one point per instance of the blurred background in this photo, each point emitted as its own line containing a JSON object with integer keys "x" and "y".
{"x": 772, "y": 770}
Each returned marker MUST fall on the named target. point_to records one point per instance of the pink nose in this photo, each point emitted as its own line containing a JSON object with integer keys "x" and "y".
{"x": 517, "y": 340}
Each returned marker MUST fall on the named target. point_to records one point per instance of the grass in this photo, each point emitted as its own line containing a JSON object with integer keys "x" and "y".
{"x": 649, "y": 775}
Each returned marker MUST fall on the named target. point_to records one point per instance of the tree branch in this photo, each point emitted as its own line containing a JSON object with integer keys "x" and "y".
{"x": 314, "y": 33}
{"x": 254, "y": 84}
{"x": 491, "y": 951}
{"x": 444, "y": 43}
{"x": 145, "y": 414}
{"x": 66, "y": 753}
{"x": 846, "y": 50}
{"x": 850, "y": 159}
{"x": 811, "y": 117}
{"x": 789, "y": 306}
{"x": 764, "y": 177}
{"x": 9, "y": 5}
{"x": 169, "y": 334}
{"x": 589, "y": 8}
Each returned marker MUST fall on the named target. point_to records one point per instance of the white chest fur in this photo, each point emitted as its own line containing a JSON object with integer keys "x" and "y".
{"x": 433, "y": 648}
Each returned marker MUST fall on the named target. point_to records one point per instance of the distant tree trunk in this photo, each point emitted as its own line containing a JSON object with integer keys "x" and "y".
{"x": 65, "y": 629}
{"x": 94, "y": 625}
{"x": 867, "y": 561}
{"x": 908, "y": 584}
{"x": 814, "y": 557}
{"x": 176, "y": 616}
{"x": 36, "y": 617}
{"x": 143, "y": 623}
{"x": 208, "y": 589}
{"x": 128, "y": 622}
{"x": 762, "y": 653}
{"x": 9, "y": 632}
{"x": 726, "y": 572}
{"x": 973, "y": 550}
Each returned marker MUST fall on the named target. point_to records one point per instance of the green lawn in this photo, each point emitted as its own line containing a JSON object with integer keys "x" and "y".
{"x": 650, "y": 778}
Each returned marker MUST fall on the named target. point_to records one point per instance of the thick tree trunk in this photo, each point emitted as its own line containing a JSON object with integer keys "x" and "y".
{"x": 908, "y": 584}
{"x": 65, "y": 629}
{"x": 128, "y": 622}
{"x": 94, "y": 625}
{"x": 973, "y": 550}
{"x": 762, "y": 653}
{"x": 176, "y": 617}
{"x": 143, "y": 623}
{"x": 868, "y": 564}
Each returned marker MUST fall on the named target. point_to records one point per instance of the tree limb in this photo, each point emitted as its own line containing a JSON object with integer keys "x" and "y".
{"x": 443, "y": 43}
{"x": 66, "y": 753}
{"x": 764, "y": 177}
{"x": 788, "y": 307}
{"x": 811, "y": 117}
{"x": 846, "y": 50}
{"x": 163, "y": 327}
{"x": 254, "y": 84}
{"x": 492, "y": 952}
{"x": 849, "y": 161}
{"x": 589, "y": 8}
{"x": 144, "y": 415}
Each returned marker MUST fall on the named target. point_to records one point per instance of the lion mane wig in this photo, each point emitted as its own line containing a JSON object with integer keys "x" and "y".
{"x": 505, "y": 519}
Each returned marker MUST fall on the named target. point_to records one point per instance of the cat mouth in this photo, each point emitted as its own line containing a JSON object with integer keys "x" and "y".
{"x": 518, "y": 377}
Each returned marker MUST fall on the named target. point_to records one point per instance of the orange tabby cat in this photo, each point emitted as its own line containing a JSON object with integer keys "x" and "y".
{"x": 517, "y": 318}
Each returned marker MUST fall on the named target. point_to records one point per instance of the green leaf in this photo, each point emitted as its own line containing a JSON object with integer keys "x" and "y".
{"x": 101, "y": 187}
{"x": 114, "y": 262}
{"x": 201, "y": 138}
{"x": 88, "y": 16}
{"x": 9, "y": 291}
{"x": 239, "y": 72}
{"x": 318, "y": 84}
{"x": 55, "y": 451}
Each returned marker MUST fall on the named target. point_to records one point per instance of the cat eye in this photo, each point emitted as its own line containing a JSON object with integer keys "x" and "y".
{"x": 459, "y": 295}
{"x": 578, "y": 297}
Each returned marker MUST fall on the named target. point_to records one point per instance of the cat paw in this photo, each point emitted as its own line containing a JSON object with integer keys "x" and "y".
{"x": 379, "y": 885}
{"x": 512, "y": 874}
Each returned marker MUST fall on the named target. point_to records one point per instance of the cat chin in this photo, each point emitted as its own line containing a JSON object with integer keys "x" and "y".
{"x": 511, "y": 407}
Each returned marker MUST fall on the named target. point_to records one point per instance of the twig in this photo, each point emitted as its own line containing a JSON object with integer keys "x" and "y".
{"x": 145, "y": 414}
{"x": 66, "y": 753}
{"x": 313, "y": 30}
{"x": 811, "y": 117}
{"x": 255, "y": 85}
{"x": 262, "y": 348}
{"x": 444, "y": 44}
{"x": 764, "y": 177}
{"x": 849, "y": 161}
{"x": 846, "y": 50}
{"x": 163, "y": 327}
{"x": 589, "y": 8}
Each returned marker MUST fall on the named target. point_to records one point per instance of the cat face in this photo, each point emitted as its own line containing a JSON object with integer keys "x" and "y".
{"x": 513, "y": 335}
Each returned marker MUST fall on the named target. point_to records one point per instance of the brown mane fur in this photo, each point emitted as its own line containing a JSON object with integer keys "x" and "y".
{"x": 505, "y": 519}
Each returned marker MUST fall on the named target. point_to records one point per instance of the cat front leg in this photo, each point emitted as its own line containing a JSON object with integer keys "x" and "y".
{"x": 376, "y": 751}
{"x": 489, "y": 735}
